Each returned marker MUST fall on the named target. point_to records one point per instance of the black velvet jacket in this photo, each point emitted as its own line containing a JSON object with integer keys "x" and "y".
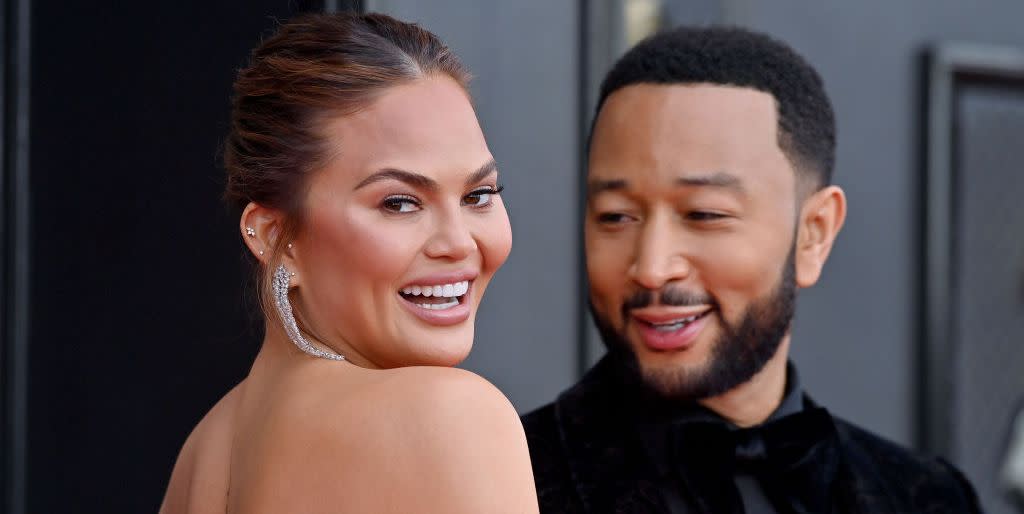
{"x": 587, "y": 460}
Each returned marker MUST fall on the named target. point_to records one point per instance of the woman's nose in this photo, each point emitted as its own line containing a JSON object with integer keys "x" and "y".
{"x": 451, "y": 240}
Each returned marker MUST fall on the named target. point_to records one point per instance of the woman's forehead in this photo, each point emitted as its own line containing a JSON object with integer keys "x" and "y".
{"x": 428, "y": 124}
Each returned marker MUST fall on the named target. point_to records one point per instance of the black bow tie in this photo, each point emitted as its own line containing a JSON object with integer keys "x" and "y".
{"x": 795, "y": 459}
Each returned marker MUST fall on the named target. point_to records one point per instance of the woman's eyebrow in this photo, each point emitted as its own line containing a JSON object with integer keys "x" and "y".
{"x": 422, "y": 181}
{"x": 482, "y": 172}
{"x": 413, "y": 179}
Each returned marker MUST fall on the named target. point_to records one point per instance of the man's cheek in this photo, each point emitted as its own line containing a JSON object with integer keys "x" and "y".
{"x": 606, "y": 306}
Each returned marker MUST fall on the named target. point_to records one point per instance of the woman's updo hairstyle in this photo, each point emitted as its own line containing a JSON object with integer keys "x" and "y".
{"x": 315, "y": 68}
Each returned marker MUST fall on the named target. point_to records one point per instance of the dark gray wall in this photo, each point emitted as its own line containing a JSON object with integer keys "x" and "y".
{"x": 524, "y": 58}
{"x": 988, "y": 296}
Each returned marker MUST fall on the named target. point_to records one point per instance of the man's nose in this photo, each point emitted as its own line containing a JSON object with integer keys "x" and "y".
{"x": 658, "y": 259}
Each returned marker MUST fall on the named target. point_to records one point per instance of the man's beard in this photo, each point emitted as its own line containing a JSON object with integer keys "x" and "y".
{"x": 740, "y": 351}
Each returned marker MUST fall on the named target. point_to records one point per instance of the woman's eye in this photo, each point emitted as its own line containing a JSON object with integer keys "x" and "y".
{"x": 481, "y": 197}
{"x": 400, "y": 204}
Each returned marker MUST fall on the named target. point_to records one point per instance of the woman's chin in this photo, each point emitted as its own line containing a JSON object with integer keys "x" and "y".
{"x": 447, "y": 346}
{"x": 451, "y": 353}
{"x": 450, "y": 361}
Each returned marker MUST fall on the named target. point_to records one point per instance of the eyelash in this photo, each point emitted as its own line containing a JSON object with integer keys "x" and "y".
{"x": 610, "y": 217}
{"x": 704, "y": 216}
{"x": 489, "y": 190}
{"x": 400, "y": 200}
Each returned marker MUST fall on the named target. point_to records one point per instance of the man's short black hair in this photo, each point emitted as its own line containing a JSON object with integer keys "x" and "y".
{"x": 738, "y": 57}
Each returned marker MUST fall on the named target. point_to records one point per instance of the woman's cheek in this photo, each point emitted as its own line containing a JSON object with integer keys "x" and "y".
{"x": 382, "y": 250}
{"x": 497, "y": 242}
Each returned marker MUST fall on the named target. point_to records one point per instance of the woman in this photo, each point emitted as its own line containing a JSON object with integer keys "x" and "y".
{"x": 371, "y": 204}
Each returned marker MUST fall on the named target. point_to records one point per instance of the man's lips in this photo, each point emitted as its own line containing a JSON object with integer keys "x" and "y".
{"x": 661, "y": 314}
{"x": 663, "y": 329}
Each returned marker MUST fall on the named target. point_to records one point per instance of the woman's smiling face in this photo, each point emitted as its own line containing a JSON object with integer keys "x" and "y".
{"x": 402, "y": 230}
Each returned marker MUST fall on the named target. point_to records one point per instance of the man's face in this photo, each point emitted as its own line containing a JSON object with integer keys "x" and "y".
{"x": 691, "y": 216}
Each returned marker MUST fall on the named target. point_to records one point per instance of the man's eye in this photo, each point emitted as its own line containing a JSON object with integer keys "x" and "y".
{"x": 612, "y": 217}
{"x": 400, "y": 204}
{"x": 482, "y": 197}
{"x": 704, "y": 216}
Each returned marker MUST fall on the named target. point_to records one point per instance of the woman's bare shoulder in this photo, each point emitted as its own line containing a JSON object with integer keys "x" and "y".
{"x": 419, "y": 394}
{"x": 439, "y": 388}
{"x": 199, "y": 481}
{"x": 423, "y": 406}
{"x": 412, "y": 439}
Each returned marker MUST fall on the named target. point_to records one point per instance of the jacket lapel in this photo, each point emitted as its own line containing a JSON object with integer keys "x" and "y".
{"x": 605, "y": 459}
{"x": 610, "y": 472}
{"x": 858, "y": 486}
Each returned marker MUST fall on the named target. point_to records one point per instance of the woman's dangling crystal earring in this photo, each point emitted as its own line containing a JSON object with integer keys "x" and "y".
{"x": 282, "y": 281}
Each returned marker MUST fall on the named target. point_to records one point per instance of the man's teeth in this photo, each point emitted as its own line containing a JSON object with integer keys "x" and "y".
{"x": 443, "y": 290}
{"x": 674, "y": 325}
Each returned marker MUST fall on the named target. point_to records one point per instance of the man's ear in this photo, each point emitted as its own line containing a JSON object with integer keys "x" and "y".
{"x": 261, "y": 227}
{"x": 821, "y": 218}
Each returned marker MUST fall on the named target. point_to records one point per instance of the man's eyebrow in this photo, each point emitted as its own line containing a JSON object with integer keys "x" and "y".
{"x": 718, "y": 179}
{"x": 482, "y": 172}
{"x": 595, "y": 187}
{"x": 409, "y": 177}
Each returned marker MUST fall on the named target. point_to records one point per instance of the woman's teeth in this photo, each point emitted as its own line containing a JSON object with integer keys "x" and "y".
{"x": 450, "y": 292}
{"x": 439, "y": 306}
{"x": 444, "y": 290}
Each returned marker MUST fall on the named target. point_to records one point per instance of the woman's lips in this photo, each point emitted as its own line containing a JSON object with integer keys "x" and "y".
{"x": 439, "y": 316}
{"x": 441, "y": 278}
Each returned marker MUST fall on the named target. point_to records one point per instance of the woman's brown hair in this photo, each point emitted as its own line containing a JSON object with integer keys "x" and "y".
{"x": 314, "y": 68}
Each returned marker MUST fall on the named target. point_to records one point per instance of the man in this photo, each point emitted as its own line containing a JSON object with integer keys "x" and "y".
{"x": 708, "y": 205}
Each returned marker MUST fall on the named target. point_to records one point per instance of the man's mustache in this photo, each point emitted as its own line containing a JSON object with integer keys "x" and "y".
{"x": 666, "y": 296}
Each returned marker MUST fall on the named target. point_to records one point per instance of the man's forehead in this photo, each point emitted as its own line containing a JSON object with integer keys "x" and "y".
{"x": 691, "y": 97}
{"x": 647, "y": 120}
{"x": 716, "y": 179}
{"x": 668, "y": 136}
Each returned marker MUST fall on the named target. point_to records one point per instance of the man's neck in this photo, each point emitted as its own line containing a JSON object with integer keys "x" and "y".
{"x": 752, "y": 402}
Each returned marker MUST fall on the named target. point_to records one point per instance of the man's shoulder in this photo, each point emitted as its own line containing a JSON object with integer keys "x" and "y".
{"x": 556, "y": 487}
{"x": 541, "y": 420}
{"x": 868, "y": 448}
{"x": 914, "y": 478}
{"x": 544, "y": 439}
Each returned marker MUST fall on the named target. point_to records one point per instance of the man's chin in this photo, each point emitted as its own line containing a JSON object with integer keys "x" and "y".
{"x": 674, "y": 381}
{"x": 676, "y": 375}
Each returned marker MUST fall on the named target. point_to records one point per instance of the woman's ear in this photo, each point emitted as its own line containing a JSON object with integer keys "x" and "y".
{"x": 821, "y": 218}
{"x": 259, "y": 226}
